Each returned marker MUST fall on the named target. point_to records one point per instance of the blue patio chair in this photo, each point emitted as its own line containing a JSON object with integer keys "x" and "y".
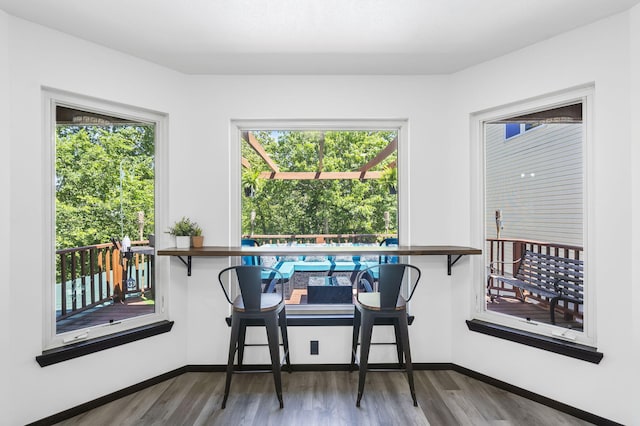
{"x": 388, "y": 242}
{"x": 250, "y": 260}
{"x": 365, "y": 281}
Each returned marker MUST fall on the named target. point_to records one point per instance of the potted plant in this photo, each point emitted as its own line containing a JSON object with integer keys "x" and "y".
{"x": 197, "y": 239}
{"x": 250, "y": 181}
{"x": 182, "y": 230}
{"x": 389, "y": 178}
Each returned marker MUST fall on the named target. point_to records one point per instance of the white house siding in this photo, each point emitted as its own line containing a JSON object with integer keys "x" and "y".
{"x": 535, "y": 178}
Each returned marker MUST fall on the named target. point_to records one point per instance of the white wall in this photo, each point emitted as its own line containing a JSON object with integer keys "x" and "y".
{"x": 635, "y": 197}
{"x": 215, "y": 101}
{"x": 200, "y": 110}
{"x": 40, "y": 57}
{"x": 5, "y": 228}
{"x": 597, "y": 53}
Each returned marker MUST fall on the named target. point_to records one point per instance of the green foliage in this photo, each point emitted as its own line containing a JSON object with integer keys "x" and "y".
{"x": 389, "y": 178}
{"x": 102, "y": 171}
{"x": 196, "y": 231}
{"x": 185, "y": 227}
{"x": 250, "y": 182}
{"x": 319, "y": 206}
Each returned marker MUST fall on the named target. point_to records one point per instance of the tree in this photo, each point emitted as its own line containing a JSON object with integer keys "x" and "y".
{"x": 101, "y": 172}
{"x": 318, "y": 206}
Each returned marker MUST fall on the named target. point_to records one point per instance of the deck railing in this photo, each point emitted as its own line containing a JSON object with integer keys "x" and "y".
{"x": 318, "y": 238}
{"x": 505, "y": 253}
{"x": 92, "y": 275}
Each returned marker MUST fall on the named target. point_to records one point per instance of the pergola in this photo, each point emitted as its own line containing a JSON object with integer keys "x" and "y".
{"x": 364, "y": 172}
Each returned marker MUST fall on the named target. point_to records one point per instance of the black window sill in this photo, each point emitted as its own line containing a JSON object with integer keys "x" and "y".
{"x": 573, "y": 350}
{"x": 65, "y": 353}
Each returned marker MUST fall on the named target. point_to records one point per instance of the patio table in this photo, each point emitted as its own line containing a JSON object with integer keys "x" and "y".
{"x": 332, "y": 289}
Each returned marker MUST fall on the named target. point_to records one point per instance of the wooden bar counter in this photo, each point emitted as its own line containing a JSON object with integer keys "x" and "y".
{"x": 453, "y": 253}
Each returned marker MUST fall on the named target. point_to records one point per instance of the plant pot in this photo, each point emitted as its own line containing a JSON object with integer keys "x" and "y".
{"x": 183, "y": 241}
{"x": 197, "y": 241}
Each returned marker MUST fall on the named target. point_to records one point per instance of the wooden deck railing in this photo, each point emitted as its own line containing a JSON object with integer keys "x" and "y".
{"x": 318, "y": 238}
{"x": 92, "y": 275}
{"x": 505, "y": 253}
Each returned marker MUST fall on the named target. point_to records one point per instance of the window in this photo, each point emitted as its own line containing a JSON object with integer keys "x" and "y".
{"x": 318, "y": 184}
{"x": 535, "y": 271}
{"x": 512, "y": 129}
{"x": 103, "y": 197}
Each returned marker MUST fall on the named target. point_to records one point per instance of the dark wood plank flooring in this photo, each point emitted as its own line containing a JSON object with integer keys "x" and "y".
{"x": 445, "y": 397}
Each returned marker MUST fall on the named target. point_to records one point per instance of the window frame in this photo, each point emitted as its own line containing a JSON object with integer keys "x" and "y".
{"x": 237, "y": 126}
{"x": 51, "y": 98}
{"x": 585, "y": 95}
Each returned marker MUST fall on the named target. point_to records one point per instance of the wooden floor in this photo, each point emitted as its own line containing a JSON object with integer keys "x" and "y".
{"x": 445, "y": 397}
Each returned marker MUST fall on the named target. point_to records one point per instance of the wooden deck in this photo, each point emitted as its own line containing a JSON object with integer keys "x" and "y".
{"x": 532, "y": 311}
{"x": 107, "y": 313}
{"x": 136, "y": 306}
{"x": 501, "y": 304}
{"x": 298, "y": 297}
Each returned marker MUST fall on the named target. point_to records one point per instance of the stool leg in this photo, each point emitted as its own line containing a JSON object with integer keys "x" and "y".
{"x": 399, "y": 345}
{"x": 271, "y": 323}
{"x": 233, "y": 341}
{"x": 357, "y": 319}
{"x": 241, "y": 336}
{"x": 365, "y": 345}
{"x": 285, "y": 337}
{"x": 404, "y": 332}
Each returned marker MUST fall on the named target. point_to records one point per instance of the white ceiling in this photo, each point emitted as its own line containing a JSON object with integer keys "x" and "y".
{"x": 315, "y": 36}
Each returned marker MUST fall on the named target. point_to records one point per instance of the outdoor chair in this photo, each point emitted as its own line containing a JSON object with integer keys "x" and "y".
{"x": 250, "y": 260}
{"x": 388, "y": 242}
{"x": 381, "y": 303}
{"x": 257, "y": 303}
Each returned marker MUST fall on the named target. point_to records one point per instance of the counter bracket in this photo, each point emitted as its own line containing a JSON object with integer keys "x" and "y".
{"x": 187, "y": 263}
{"x": 450, "y": 263}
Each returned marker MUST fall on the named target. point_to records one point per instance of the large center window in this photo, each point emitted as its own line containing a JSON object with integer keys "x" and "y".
{"x": 319, "y": 187}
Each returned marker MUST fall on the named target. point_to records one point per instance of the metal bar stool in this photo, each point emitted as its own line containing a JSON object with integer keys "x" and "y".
{"x": 258, "y": 303}
{"x": 378, "y": 301}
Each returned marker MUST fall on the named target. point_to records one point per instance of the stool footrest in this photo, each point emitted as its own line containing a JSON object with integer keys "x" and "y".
{"x": 243, "y": 371}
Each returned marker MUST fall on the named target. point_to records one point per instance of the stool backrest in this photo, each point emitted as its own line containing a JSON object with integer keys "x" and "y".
{"x": 389, "y": 284}
{"x": 250, "y": 285}
{"x": 387, "y": 280}
{"x": 250, "y": 282}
